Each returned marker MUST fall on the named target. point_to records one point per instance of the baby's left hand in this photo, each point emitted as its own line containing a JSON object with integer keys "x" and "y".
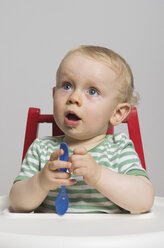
{"x": 84, "y": 165}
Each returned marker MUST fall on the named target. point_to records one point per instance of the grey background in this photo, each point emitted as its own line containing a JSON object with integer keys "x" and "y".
{"x": 34, "y": 37}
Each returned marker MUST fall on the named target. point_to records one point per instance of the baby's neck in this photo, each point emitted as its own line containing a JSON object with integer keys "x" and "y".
{"x": 88, "y": 144}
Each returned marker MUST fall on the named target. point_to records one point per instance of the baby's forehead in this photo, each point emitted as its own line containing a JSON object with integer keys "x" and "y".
{"x": 70, "y": 60}
{"x": 83, "y": 64}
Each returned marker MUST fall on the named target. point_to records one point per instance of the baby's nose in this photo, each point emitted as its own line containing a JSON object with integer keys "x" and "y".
{"x": 75, "y": 98}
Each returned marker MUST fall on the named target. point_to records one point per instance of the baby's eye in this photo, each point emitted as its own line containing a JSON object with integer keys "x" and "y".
{"x": 67, "y": 86}
{"x": 93, "y": 92}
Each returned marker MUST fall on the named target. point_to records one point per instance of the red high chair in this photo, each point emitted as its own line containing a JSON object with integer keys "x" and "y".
{"x": 34, "y": 118}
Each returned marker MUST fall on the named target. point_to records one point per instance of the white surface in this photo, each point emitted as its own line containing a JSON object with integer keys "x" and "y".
{"x": 82, "y": 230}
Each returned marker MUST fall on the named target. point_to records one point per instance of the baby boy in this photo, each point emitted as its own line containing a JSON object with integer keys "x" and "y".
{"x": 94, "y": 89}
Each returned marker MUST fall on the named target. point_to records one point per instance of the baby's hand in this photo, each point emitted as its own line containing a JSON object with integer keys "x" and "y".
{"x": 83, "y": 164}
{"x": 51, "y": 177}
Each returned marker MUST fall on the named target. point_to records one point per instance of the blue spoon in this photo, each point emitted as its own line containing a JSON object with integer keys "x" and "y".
{"x": 62, "y": 200}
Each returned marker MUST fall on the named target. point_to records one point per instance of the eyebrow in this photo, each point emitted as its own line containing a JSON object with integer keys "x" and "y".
{"x": 66, "y": 74}
{"x": 61, "y": 74}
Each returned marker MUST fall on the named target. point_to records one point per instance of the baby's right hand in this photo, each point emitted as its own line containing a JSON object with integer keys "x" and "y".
{"x": 50, "y": 177}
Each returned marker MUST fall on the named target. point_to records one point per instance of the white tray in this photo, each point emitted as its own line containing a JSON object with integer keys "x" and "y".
{"x": 82, "y": 230}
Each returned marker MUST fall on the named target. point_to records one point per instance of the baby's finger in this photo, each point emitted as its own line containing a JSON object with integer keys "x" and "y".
{"x": 70, "y": 155}
{"x": 55, "y": 155}
{"x": 80, "y": 172}
{"x": 66, "y": 182}
{"x": 61, "y": 175}
{"x": 58, "y": 164}
{"x": 80, "y": 151}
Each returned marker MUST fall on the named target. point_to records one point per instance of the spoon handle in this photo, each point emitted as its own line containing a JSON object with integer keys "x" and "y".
{"x": 62, "y": 200}
{"x": 65, "y": 156}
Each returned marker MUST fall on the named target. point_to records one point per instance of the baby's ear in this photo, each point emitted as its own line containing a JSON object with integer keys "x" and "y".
{"x": 120, "y": 113}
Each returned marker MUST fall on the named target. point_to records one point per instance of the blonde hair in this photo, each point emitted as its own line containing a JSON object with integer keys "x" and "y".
{"x": 115, "y": 62}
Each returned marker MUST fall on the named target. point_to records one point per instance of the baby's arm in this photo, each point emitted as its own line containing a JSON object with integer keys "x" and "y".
{"x": 133, "y": 193}
{"x": 27, "y": 195}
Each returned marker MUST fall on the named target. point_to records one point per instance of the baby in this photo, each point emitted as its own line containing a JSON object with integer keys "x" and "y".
{"x": 94, "y": 89}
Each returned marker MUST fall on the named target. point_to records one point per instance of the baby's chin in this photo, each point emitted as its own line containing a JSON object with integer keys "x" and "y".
{"x": 77, "y": 137}
{"x": 78, "y": 133}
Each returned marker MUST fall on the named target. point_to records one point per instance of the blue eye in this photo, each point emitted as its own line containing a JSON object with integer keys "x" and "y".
{"x": 67, "y": 86}
{"x": 93, "y": 92}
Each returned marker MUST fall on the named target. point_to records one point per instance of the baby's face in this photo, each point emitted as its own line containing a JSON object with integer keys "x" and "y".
{"x": 85, "y": 97}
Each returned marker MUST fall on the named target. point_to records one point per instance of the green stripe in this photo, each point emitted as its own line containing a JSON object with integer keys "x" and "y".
{"x": 31, "y": 156}
{"x": 43, "y": 161}
{"x": 112, "y": 207}
{"x": 49, "y": 206}
{"x": 129, "y": 153}
{"x": 20, "y": 178}
{"x": 137, "y": 172}
{"x": 129, "y": 161}
{"x": 31, "y": 164}
{"x": 80, "y": 183}
{"x": 47, "y": 153}
{"x": 89, "y": 200}
{"x": 78, "y": 191}
{"x": 82, "y": 191}
{"x": 83, "y": 199}
{"x": 82, "y": 207}
{"x": 34, "y": 151}
{"x": 29, "y": 171}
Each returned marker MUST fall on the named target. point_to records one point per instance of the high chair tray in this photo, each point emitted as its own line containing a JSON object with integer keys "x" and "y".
{"x": 82, "y": 230}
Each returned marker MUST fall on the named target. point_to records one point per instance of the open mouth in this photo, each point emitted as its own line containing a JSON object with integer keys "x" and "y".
{"x": 72, "y": 117}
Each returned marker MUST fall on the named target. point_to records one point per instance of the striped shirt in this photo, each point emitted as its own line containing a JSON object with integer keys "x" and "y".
{"x": 115, "y": 152}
